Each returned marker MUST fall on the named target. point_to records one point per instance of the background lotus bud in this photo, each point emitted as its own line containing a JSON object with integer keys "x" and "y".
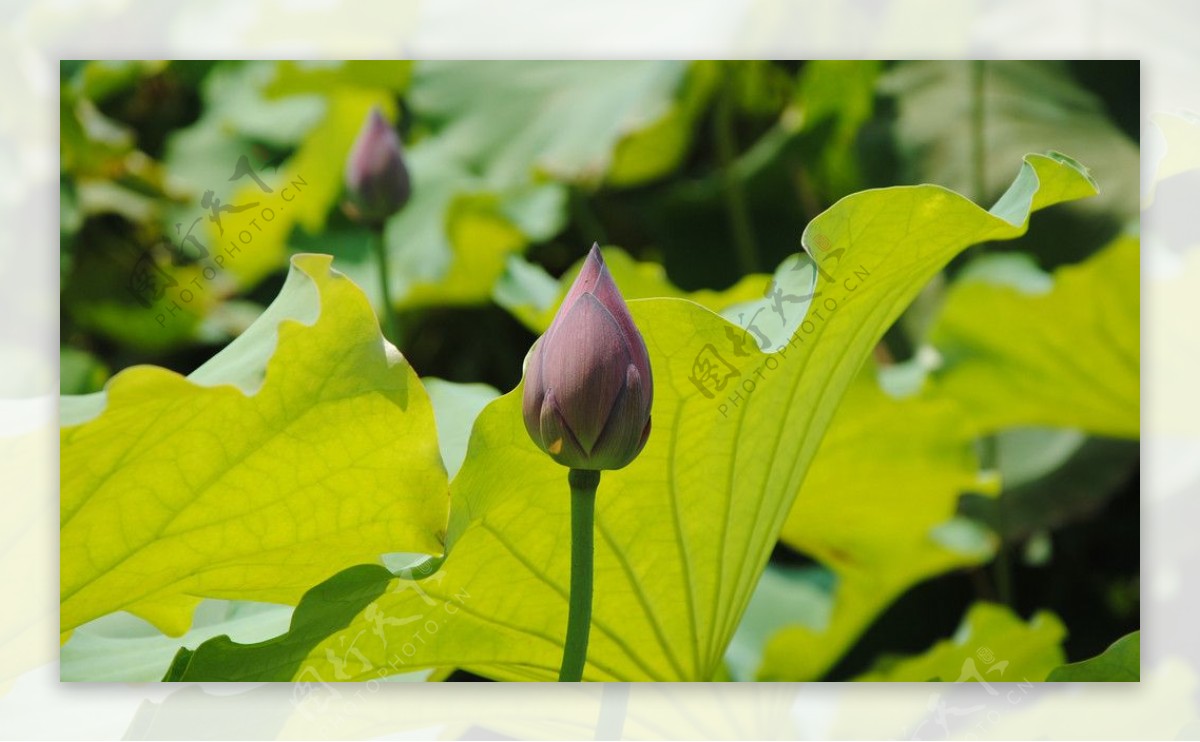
{"x": 588, "y": 385}
{"x": 377, "y": 183}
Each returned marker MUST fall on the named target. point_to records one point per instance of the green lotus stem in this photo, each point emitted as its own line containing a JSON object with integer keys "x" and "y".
{"x": 389, "y": 316}
{"x": 579, "y": 618}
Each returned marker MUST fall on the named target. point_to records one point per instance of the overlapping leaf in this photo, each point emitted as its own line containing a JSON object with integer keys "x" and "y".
{"x": 1065, "y": 357}
{"x": 305, "y": 447}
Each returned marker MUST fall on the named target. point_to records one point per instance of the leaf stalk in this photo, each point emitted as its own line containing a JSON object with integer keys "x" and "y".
{"x": 583, "y": 484}
{"x": 389, "y": 310}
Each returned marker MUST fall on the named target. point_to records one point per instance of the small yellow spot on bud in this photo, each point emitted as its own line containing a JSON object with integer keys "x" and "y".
{"x": 556, "y": 446}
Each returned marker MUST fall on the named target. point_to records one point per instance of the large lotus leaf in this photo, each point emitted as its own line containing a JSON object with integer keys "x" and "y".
{"x": 305, "y": 447}
{"x": 992, "y": 645}
{"x": 684, "y": 531}
{"x": 1063, "y": 356}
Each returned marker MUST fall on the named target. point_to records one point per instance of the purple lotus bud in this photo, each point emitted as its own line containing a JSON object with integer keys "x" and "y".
{"x": 377, "y": 183}
{"x": 587, "y": 384}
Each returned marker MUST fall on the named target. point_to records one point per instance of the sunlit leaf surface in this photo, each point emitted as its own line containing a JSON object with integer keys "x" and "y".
{"x": 305, "y": 447}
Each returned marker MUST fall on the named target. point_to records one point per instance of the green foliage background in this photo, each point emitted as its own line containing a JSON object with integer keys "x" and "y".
{"x": 937, "y": 479}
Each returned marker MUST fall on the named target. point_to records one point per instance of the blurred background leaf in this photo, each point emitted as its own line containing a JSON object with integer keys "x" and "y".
{"x": 1120, "y": 662}
{"x": 957, "y": 124}
{"x": 991, "y": 645}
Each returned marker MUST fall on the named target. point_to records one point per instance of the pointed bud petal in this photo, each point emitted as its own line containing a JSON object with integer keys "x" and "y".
{"x": 620, "y": 442}
{"x": 583, "y": 370}
{"x": 556, "y": 437}
{"x": 531, "y": 402}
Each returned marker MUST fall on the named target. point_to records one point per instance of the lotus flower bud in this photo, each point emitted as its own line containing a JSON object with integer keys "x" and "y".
{"x": 587, "y": 384}
{"x": 377, "y": 183}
